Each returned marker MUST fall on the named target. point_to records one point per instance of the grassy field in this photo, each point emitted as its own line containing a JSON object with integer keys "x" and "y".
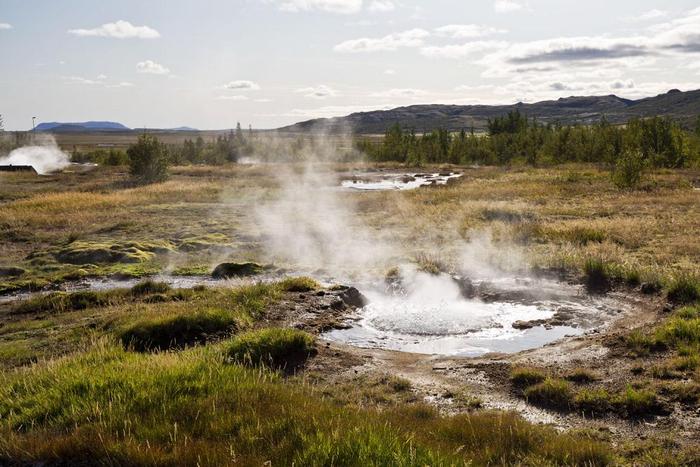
{"x": 155, "y": 376}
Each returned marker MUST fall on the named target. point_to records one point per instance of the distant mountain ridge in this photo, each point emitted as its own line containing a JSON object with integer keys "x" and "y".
{"x": 60, "y": 127}
{"x": 97, "y": 126}
{"x": 684, "y": 106}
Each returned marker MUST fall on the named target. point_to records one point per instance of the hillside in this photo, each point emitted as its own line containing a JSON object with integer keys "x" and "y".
{"x": 685, "y": 106}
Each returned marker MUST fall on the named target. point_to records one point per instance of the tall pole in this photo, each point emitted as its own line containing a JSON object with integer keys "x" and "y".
{"x": 33, "y": 126}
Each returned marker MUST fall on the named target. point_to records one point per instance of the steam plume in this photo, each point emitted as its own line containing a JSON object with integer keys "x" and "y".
{"x": 43, "y": 154}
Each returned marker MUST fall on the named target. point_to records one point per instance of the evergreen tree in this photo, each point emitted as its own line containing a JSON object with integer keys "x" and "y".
{"x": 148, "y": 160}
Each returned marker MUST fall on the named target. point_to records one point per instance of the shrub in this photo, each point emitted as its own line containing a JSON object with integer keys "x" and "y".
{"x": 148, "y": 287}
{"x": 551, "y": 392}
{"x": 684, "y": 290}
{"x": 177, "y": 331}
{"x": 629, "y": 170}
{"x": 274, "y": 347}
{"x": 524, "y": 377}
{"x": 148, "y": 160}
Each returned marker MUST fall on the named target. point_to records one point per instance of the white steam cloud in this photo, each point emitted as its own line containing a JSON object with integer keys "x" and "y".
{"x": 43, "y": 154}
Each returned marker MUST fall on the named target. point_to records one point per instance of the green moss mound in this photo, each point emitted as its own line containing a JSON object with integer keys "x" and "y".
{"x": 229, "y": 270}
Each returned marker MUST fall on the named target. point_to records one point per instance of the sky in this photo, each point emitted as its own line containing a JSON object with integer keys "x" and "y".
{"x": 211, "y": 63}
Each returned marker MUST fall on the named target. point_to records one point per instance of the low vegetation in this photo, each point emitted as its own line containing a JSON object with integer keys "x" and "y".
{"x": 110, "y": 406}
{"x": 276, "y": 348}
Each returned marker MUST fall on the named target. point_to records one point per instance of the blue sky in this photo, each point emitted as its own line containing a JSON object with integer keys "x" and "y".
{"x": 209, "y": 64}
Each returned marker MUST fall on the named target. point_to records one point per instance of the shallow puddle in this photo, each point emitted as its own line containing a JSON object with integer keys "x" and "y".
{"x": 396, "y": 181}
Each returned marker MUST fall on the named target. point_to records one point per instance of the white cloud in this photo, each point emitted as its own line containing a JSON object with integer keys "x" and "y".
{"x": 81, "y": 80}
{"x": 118, "y": 30}
{"x": 5, "y": 26}
{"x": 410, "y": 38}
{"x": 465, "y": 31}
{"x": 264, "y": 100}
{"x": 381, "y": 6}
{"x": 242, "y": 85}
{"x": 331, "y": 6}
{"x": 232, "y": 98}
{"x": 151, "y": 67}
{"x": 123, "y": 84}
{"x": 389, "y": 72}
{"x": 649, "y": 15}
{"x": 507, "y": 6}
{"x": 318, "y": 92}
{"x": 100, "y": 80}
{"x": 462, "y": 50}
{"x": 400, "y": 93}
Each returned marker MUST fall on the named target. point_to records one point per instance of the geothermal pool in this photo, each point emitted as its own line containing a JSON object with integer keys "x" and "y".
{"x": 432, "y": 315}
{"x": 396, "y": 181}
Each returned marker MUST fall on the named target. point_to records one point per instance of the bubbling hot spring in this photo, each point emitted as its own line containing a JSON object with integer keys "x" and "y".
{"x": 447, "y": 315}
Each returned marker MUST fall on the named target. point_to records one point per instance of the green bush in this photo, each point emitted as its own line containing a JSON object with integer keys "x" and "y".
{"x": 274, "y": 347}
{"x": 148, "y": 160}
{"x": 629, "y": 170}
{"x": 177, "y": 331}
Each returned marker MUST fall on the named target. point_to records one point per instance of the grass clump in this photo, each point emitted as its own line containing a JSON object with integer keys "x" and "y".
{"x": 593, "y": 401}
{"x": 299, "y": 284}
{"x": 581, "y": 375}
{"x": 524, "y": 377}
{"x": 597, "y": 277}
{"x": 229, "y": 270}
{"x": 638, "y": 402}
{"x": 684, "y": 290}
{"x": 551, "y": 392}
{"x": 274, "y": 347}
{"x": 61, "y": 302}
{"x": 177, "y": 331}
{"x": 148, "y": 287}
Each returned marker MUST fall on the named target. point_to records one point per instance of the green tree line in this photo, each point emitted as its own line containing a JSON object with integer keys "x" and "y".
{"x": 513, "y": 138}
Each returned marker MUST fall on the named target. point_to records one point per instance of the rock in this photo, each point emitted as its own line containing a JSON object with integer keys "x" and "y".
{"x": 352, "y": 297}
{"x": 466, "y": 288}
{"x": 407, "y": 179}
{"x": 11, "y": 271}
{"x": 522, "y": 325}
{"x": 228, "y": 270}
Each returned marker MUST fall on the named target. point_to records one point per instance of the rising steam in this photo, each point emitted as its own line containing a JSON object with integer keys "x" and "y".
{"x": 43, "y": 154}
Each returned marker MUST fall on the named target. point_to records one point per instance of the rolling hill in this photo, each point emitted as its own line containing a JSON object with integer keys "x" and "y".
{"x": 684, "y": 106}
